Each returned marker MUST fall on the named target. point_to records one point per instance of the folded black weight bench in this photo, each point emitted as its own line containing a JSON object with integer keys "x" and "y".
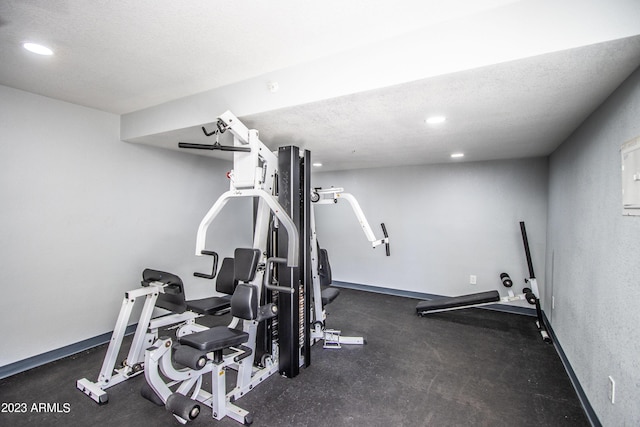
{"x": 451, "y": 303}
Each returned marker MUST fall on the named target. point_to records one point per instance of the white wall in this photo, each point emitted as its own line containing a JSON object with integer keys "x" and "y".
{"x": 593, "y": 255}
{"x": 82, "y": 214}
{"x": 445, "y": 223}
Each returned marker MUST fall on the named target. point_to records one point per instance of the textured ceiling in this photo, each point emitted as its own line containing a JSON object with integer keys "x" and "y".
{"x": 124, "y": 55}
{"x": 357, "y": 78}
{"x": 523, "y": 108}
{"x": 518, "y": 109}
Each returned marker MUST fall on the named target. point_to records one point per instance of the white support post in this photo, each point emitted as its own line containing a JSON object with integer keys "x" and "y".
{"x": 116, "y": 340}
{"x": 245, "y": 366}
{"x": 533, "y": 284}
{"x": 331, "y": 337}
{"x": 136, "y": 351}
{"x": 219, "y": 391}
{"x": 107, "y": 378}
{"x": 316, "y": 333}
{"x": 146, "y": 332}
{"x": 364, "y": 224}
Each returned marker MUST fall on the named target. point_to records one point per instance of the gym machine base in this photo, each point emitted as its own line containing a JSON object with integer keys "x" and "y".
{"x": 530, "y": 294}
{"x": 145, "y": 334}
{"x": 159, "y": 290}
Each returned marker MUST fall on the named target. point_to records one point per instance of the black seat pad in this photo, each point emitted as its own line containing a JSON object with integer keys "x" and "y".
{"x": 216, "y": 338}
{"x": 329, "y": 294}
{"x": 211, "y": 305}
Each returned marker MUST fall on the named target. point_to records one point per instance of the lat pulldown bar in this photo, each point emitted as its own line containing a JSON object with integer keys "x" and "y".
{"x": 221, "y": 127}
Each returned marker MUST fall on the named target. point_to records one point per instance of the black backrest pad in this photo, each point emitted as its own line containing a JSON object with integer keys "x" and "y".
{"x": 324, "y": 268}
{"x": 173, "y": 298}
{"x": 226, "y": 283}
{"x": 244, "y": 302}
{"x": 246, "y": 263}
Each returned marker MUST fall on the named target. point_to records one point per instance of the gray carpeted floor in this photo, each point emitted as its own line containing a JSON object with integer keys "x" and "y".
{"x": 470, "y": 367}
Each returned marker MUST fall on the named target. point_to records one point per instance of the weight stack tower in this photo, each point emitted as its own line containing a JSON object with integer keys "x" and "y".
{"x": 294, "y": 194}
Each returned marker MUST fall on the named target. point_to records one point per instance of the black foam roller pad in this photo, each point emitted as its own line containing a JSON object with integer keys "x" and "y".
{"x": 506, "y": 280}
{"x": 189, "y": 357}
{"x": 182, "y": 406}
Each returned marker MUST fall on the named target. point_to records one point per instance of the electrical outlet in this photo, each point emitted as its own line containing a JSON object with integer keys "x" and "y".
{"x": 473, "y": 279}
{"x": 612, "y": 390}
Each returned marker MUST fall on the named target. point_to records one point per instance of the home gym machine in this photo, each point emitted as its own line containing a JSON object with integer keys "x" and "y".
{"x": 530, "y": 293}
{"x": 271, "y": 299}
{"x": 321, "y": 269}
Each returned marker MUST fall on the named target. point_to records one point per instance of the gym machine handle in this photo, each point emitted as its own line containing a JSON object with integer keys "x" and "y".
{"x": 213, "y": 270}
{"x": 221, "y": 127}
{"x": 386, "y": 236}
{"x": 215, "y": 146}
{"x": 246, "y": 353}
{"x": 267, "y": 274}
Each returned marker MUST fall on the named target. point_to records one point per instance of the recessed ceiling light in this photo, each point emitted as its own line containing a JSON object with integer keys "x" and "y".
{"x": 434, "y": 120}
{"x": 317, "y": 164}
{"x": 457, "y": 155}
{"x": 38, "y": 48}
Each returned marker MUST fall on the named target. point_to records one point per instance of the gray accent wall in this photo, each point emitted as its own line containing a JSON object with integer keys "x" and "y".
{"x": 82, "y": 214}
{"x": 593, "y": 258}
{"x": 446, "y": 222}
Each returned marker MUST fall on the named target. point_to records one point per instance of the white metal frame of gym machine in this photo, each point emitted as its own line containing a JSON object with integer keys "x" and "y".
{"x": 332, "y": 338}
{"x": 254, "y": 175}
{"x": 145, "y": 334}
